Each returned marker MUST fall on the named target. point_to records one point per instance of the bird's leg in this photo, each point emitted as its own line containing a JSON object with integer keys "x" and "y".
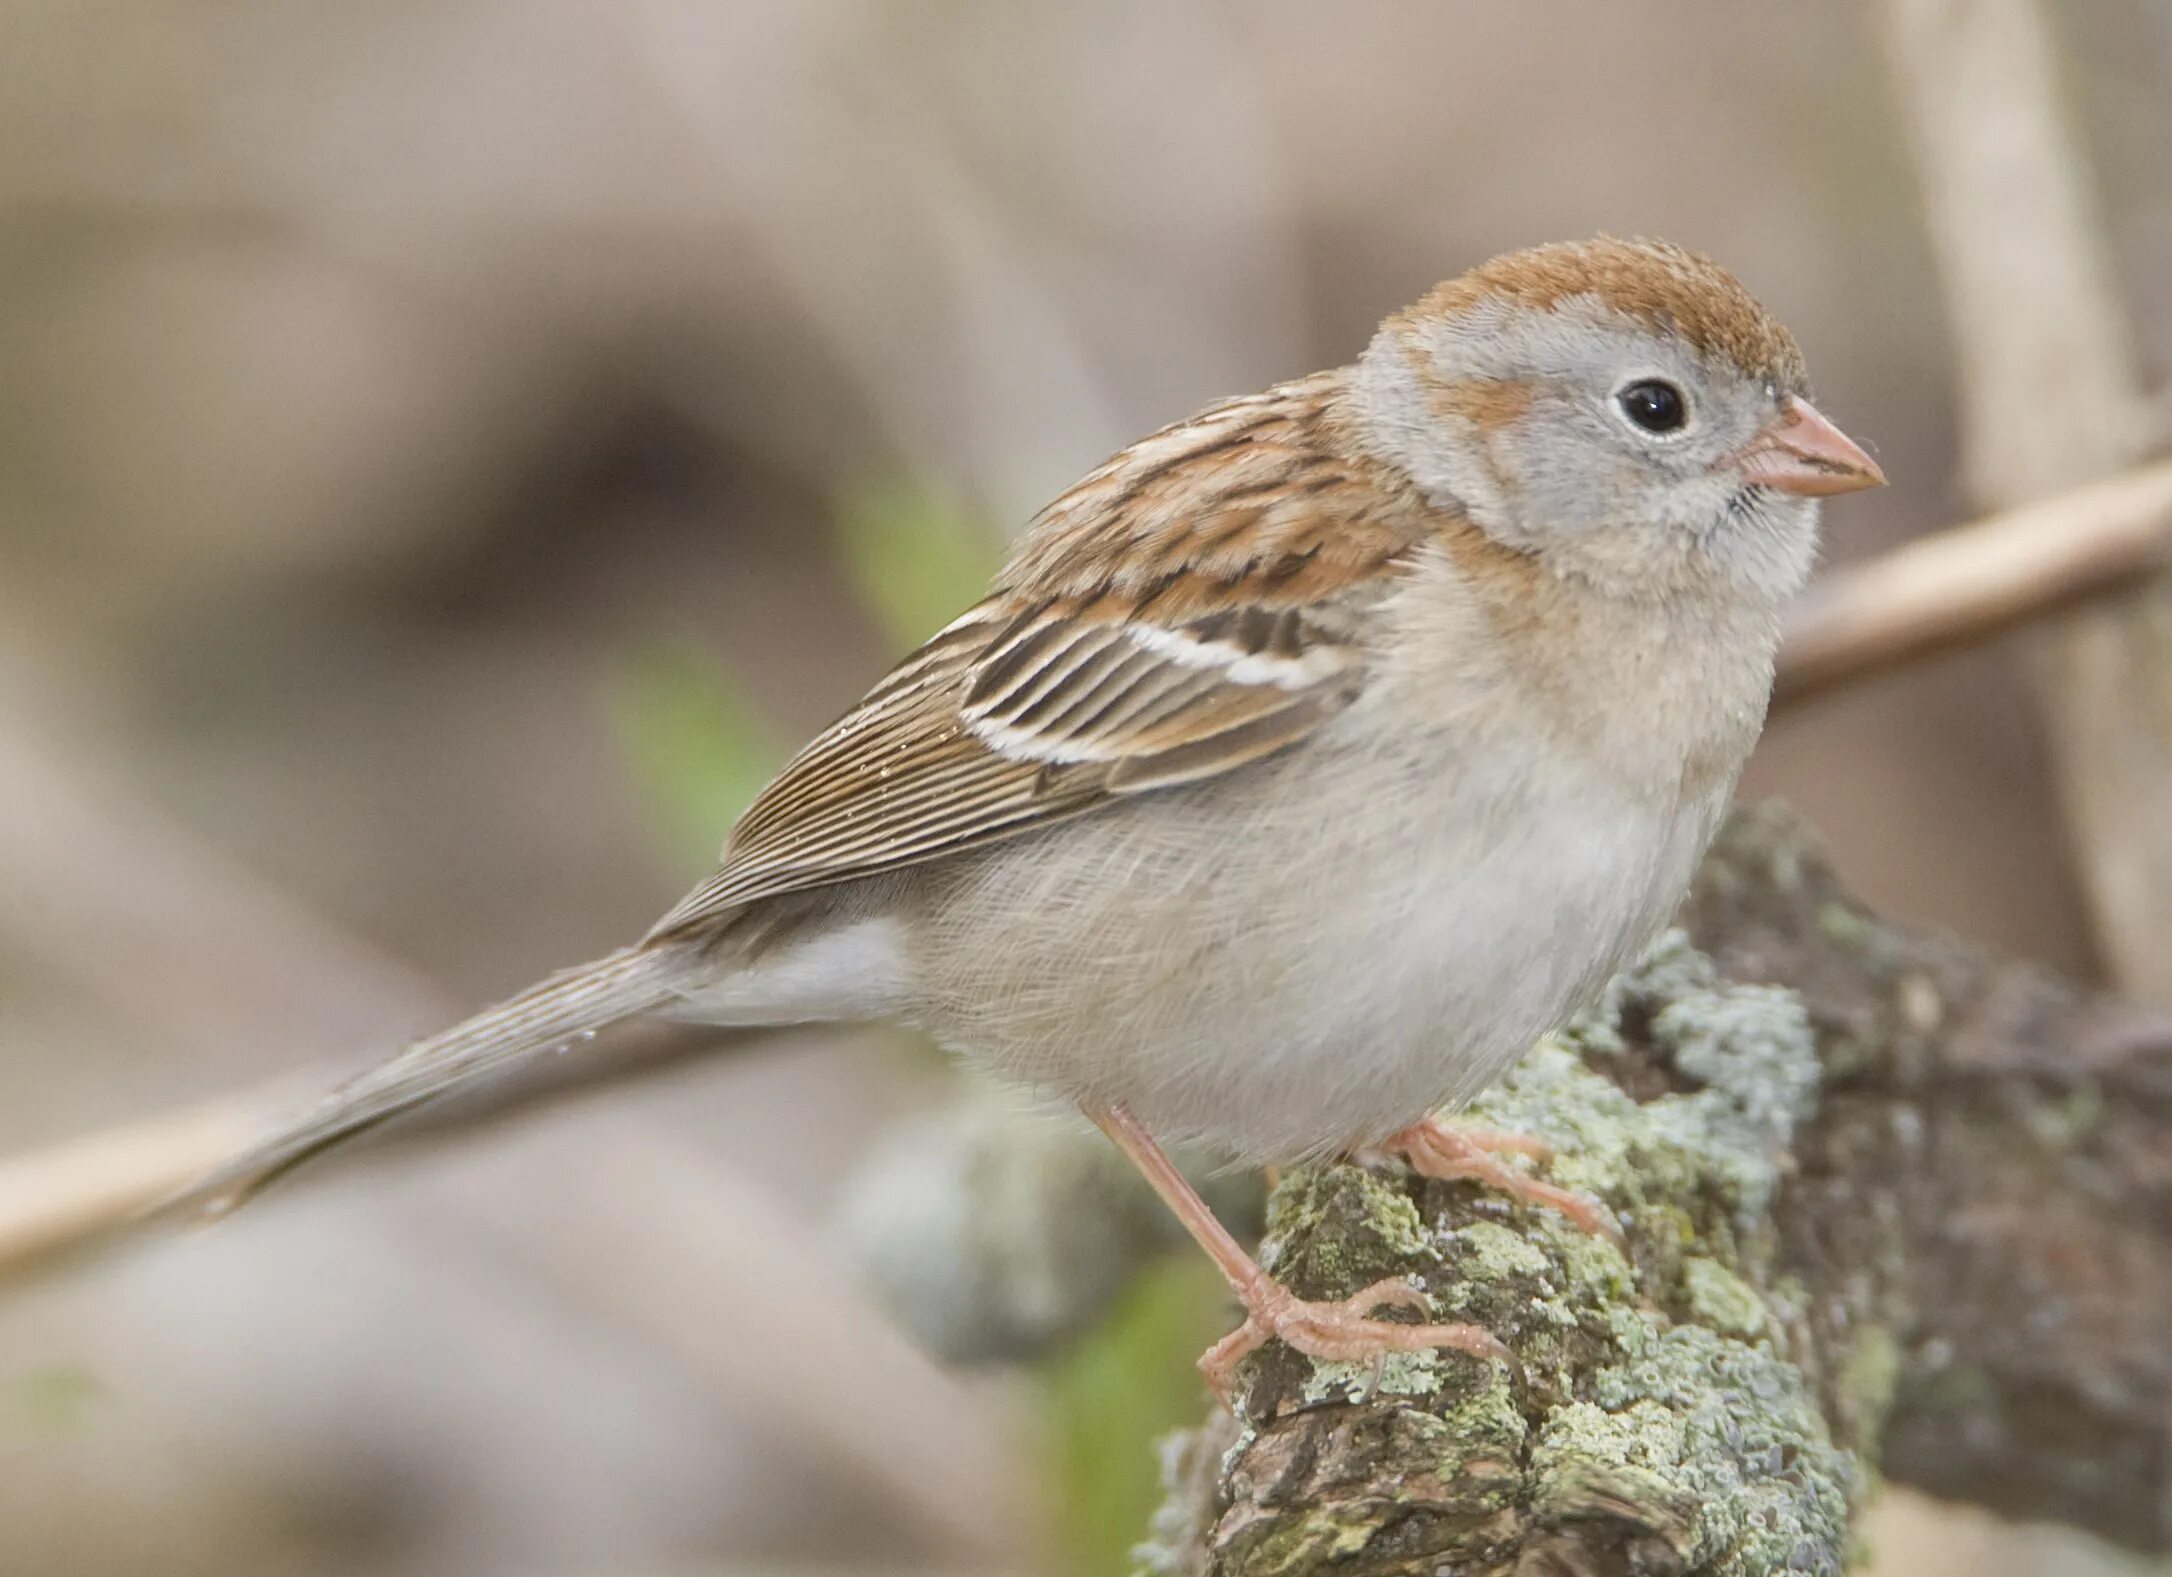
{"x": 1456, "y": 1155}
{"x": 1342, "y": 1330}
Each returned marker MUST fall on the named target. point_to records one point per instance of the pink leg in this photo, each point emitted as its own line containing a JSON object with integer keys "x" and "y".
{"x": 1456, "y": 1155}
{"x": 1329, "y": 1330}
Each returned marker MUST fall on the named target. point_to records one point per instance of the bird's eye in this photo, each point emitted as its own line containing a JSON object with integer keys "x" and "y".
{"x": 1654, "y": 405}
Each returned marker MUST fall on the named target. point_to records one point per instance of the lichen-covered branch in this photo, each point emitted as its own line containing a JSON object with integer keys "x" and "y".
{"x": 1886, "y": 1202}
{"x": 1993, "y": 1150}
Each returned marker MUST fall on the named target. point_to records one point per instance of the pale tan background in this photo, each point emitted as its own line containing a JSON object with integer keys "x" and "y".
{"x": 374, "y": 378}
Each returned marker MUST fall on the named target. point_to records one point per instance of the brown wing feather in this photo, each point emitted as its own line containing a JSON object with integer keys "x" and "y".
{"x": 1193, "y": 605}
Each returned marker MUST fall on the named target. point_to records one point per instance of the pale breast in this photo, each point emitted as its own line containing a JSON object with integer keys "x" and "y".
{"x": 1305, "y": 958}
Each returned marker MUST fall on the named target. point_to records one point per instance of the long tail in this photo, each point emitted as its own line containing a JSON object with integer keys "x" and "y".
{"x": 568, "y": 1006}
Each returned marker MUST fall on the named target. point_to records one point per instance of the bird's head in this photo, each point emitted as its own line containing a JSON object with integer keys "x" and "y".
{"x": 1623, "y": 410}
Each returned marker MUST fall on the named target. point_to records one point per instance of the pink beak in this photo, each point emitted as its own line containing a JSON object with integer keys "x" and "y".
{"x": 1803, "y": 453}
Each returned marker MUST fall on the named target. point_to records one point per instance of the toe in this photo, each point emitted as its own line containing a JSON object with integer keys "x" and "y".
{"x": 1394, "y": 1293}
{"x": 1328, "y": 1333}
{"x": 1219, "y": 1362}
{"x": 1496, "y": 1141}
{"x": 1583, "y": 1212}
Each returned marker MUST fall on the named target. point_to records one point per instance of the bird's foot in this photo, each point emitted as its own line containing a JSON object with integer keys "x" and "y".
{"x": 1458, "y": 1155}
{"x": 1341, "y": 1331}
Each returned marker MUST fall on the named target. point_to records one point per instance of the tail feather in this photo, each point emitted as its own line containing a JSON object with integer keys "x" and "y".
{"x": 569, "y": 1005}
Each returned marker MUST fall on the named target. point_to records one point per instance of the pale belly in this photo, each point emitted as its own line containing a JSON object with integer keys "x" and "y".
{"x": 1275, "y": 992}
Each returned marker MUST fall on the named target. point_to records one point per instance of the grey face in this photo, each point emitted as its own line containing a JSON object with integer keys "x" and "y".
{"x": 1622, "y": 466}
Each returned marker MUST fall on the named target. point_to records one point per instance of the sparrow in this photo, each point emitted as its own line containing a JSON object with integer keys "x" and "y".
{"x": 1307, "y": 762}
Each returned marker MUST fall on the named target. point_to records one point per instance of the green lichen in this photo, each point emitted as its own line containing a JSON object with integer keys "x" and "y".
{"x": 1394, "y": 1374}
{"x": 1482, "y": 1439}
{"x": 1751, "y": 1047}
{"x": 1489, "y": 1252}
{"x": 1543, "y": 1290}
{"x": 1551, "y": 1095}
{"x": 1720, "y": 1299}
{"x": 1309, "y": 1542}
{"x": 1332, "y": 1230}
{"x": 1669, "y": 970}
{"x": 1711, "y": 1442}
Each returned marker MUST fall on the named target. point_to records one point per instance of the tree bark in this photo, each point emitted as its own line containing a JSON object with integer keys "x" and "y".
{"x": 1892, "y": 1207}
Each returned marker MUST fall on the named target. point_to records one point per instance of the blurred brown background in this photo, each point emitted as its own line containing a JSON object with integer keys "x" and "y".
{"x": 386, "y": 392}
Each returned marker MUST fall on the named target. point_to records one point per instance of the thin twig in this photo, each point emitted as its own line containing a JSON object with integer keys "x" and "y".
{"x": 1967, "y": 585}
{"x": 73, "y": 1195}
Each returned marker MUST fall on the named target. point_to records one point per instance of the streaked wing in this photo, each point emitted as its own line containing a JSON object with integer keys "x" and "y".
{"x": 1193, "y": 605}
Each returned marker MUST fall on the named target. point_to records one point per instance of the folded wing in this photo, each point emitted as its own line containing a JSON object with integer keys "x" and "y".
{"x": 1194, "y": 605}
